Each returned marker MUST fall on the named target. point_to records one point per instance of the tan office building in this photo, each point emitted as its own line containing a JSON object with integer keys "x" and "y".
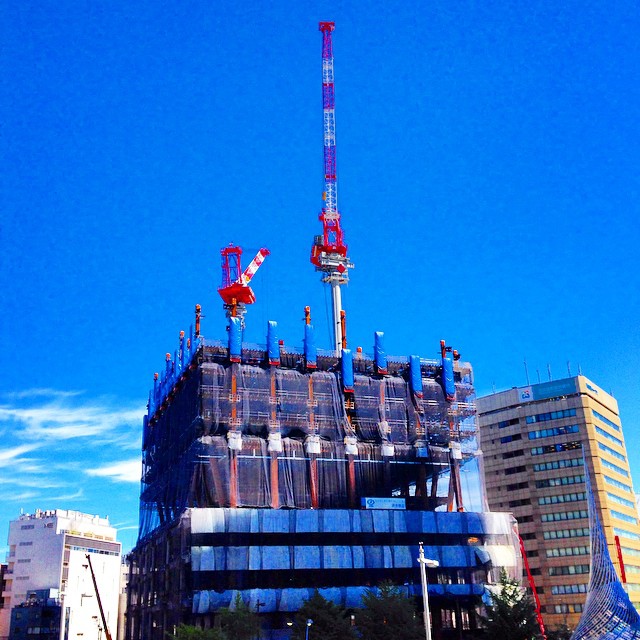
{"x": 535, "y": 441}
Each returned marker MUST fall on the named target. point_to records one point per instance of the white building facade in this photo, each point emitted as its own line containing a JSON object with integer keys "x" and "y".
{"x": 48, "y": 550}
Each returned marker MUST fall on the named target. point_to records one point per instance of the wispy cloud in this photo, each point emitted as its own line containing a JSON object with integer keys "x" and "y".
{"x": 125, "y": 471}
{"x": 12, "y": 455}
{"x": 39, "y": 392}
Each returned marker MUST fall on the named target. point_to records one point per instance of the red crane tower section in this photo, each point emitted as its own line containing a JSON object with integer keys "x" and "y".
{"x": 329, "y": 251}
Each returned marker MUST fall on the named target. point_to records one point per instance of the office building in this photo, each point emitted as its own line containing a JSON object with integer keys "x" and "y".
{"x": 48, "y": 550}
{"x": 536, "y": 442}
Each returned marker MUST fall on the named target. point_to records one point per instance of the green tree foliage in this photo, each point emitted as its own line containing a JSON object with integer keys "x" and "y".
{"x": 559, "y": 633}
{"x": 511, "y": 613}
{"x": 187, "y": 632}
{"x": 237, "y": 624}
{"x": 389, "y": 615}
{"x": 330, "y": 621}
{"x": 240, "y": 623}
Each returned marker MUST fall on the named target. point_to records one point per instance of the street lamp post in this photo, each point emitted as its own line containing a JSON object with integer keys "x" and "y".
{"x": 432, "y": 564}
{"x": 306, "y": 630}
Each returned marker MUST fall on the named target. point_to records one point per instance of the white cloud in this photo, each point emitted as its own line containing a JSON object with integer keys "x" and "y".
{"x": 125, "y": 471}
{"x": 11, "y": 456}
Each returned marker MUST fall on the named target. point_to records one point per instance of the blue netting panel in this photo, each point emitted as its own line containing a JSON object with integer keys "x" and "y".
{"x": 608, "y": 613}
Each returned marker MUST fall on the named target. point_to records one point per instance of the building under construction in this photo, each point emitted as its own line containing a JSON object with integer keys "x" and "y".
{"x": 271, "y": 471}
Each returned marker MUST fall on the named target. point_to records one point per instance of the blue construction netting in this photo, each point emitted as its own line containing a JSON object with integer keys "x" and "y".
{"x": 608, "y": 613}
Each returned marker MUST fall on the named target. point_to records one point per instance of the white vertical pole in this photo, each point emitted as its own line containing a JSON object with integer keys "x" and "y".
{"x": 336, "y": 297}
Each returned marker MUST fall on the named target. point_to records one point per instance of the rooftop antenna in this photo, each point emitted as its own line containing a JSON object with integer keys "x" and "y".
{"x": 538, "y": 372}
{"x": 526, "y": 371}
{"x": 549, "y": 372}
{"x": 329, "y": 252}
{"x": 579, "y": 369}
{"x": 569, "y": 368}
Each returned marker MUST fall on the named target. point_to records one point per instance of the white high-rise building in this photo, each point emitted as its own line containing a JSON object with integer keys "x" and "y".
{"x": 48, "y": 550}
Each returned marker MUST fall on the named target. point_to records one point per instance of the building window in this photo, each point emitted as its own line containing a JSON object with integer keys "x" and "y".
{"x": 24, "y": 560}
{"x": 511, "y": 470}
{"x": 512, "y": 454}
{"x": 552, "y": 415}
{"x": 558, "y": 464}
{"x": 623, "y": 533}
{"x": 523, "y": 519}
{"x": 609, "y": 437}
{"x": 566, "y": 533}
{"x": 554, "y": 448}
{"x": 631, "y": 552}
{"x": 513, "y": 438}
{"x": 557, "y": 482}
{"x": 555, "y": 431}
{"x": 25, "y": 544}
{"x": 562, "y": 589}
{"x": 561, "y": 552}
{"x": 528, "y": 536}
{"x": 568, "y": 608}
{"x": 519, "y": 503}
{"x": 517, "y": 485}
{"x": 564, "y": 497}
{"x": 623, "y": 516}
{"x": 606, "y": 421}
{"x": 617, "y": 483}
{"x": 611, "y": 452}
{"x": 614, "y": 467}
{"x": 569, "y": 570}
{"x": 564, "y": 515}
{"x": 27, "y": 526}
{"x": 622, "y": 501}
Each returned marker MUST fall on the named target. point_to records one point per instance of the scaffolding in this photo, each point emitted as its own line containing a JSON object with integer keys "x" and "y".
{"x": 251, "y": 434}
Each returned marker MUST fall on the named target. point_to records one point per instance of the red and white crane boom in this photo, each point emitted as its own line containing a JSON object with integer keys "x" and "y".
{"x": 329, "y": 252}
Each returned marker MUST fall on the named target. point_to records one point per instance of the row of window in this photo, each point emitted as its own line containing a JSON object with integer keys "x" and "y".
{"x": 614, "y": 467}
{"x": 511, "y": 470}
{"x": 624, "y": 516}
{"x": 568, "y": 608}
{"x": 566, "y": 533}
{"x": 623, "y": 533}
{"x": 569, "y": 570}
{"x": 623, "y": 501}
{"x": 558, "y": 464}
{"x": 557, "y": 482}
{"x": 565, "y": 497}
{"x": 27, "y": 526}
{"x": 631, "y": 552}
{"x": 565, "y": 515}
{"x": 506, "y": 423}
{"x": 517, "y": 485}
{"x": 519, "y": 503}
{"x": 611, "y": 452}
{"x": 608, "y": 436}
{"x": 568, "y": 551}
{"x": 553, "y": 431}
{"x": 513, "y": 438}
{"x": 608, "y": 422}
{"x": 551, "y": 415}
{"x": 554, "y": 448}
{"x": 562, "y": 589}
{"x": 617, "y": 483}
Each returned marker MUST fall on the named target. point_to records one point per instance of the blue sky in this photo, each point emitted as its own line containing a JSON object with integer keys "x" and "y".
{"x": 488, "y": 159}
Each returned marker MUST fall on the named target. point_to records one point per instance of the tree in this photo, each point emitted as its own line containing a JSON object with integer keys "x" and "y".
{"x": 389, "y": 615}
{"x": 559, "y": 633}
{"x": 188, "y": 632}
{"x": 512, "y": 613}
{"x": 330, "y": 621}
{"x": 240, "y": 623}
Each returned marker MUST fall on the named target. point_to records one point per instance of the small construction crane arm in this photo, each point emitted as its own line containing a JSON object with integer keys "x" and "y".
{"x": 95, "y": 586}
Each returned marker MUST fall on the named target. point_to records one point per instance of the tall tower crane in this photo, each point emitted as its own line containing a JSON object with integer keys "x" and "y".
{"x": 329, "y": 252}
